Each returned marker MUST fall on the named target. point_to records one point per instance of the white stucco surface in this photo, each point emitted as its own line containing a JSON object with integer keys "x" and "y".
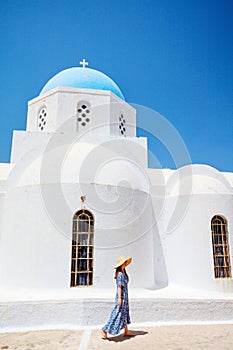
{"x": 160, "y": 217}
{"x": 88, "y": 307}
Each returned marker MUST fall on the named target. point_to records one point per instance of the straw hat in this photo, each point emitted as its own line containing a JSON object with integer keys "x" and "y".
{"x": 121, "y": 260}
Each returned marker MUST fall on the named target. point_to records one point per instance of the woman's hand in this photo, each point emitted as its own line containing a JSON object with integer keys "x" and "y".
{"x": 119, "y": 301}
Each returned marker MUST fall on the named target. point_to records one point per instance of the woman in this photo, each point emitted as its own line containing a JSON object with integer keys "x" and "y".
{"x": 119, "y": 317}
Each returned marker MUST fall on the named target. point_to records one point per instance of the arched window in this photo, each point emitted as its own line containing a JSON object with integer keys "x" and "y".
{"x": 82, "y": 249}
{"x": 222, "y": 266}
{"x": 83, "y": 114}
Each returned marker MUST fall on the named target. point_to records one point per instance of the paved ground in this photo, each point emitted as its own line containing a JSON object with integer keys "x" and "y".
{"x": 198, "y": 337}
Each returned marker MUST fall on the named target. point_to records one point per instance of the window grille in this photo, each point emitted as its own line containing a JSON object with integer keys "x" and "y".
{"x": 42, "y": 115}
{"x": 82, "y": 249}
{"x": 122, "y": 123}
{"x": 222, "y": 266}
{"x": 83, "y": 113}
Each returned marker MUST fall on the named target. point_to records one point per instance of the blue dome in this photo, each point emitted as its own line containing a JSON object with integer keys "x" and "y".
{"x": 79, "y": 77}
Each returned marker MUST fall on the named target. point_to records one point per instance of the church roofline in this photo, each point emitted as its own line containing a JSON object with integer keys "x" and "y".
{"x": 77, "y": 90}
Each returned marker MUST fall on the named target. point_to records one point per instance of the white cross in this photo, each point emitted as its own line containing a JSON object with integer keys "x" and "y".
{"x": 84, "y": 63}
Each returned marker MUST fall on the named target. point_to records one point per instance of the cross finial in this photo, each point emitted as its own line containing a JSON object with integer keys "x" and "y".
{"x": 84, "y": 63}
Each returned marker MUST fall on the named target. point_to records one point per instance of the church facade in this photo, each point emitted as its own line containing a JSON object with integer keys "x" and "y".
{"x": 78, "y": 193}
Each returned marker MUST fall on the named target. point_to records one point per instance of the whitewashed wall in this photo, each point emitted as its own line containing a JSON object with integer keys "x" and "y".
{"x": 187, "y": 242}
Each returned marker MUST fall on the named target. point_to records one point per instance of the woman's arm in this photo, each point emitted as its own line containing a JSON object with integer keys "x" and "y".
{"x": 119, "y": 288}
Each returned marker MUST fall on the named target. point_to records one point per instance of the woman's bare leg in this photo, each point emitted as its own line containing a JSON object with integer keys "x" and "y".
{"x": 104, "y": 334}
{"x": 128, "y": 333}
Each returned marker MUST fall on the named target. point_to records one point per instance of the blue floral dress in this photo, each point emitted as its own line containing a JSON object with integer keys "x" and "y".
{"x": 119, "y": 317}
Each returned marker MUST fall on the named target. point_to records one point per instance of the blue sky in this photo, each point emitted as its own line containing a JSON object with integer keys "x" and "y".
{"x": 174, "y": 57}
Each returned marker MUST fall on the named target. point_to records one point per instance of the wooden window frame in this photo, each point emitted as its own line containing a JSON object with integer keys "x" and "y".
{"x": 220, "y": 243}
{"x": 82, "y": 251}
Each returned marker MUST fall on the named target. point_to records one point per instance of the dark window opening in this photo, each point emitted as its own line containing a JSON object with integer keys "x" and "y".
{"x": 222, "y": 267}
{"x": 82, "y": 249}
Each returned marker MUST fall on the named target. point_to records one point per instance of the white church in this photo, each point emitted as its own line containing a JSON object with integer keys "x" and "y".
{"x": 78, "y": 193}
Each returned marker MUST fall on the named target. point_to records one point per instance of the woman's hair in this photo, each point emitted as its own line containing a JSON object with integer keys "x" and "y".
{"x": 118, "y": 269}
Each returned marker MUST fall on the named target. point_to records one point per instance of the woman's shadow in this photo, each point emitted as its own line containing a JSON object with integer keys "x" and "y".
{"x": 121, "y": 337}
